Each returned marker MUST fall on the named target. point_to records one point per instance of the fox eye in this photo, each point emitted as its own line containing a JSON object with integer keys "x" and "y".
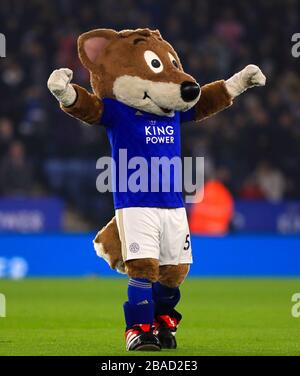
{"x": 153, "y": 61}
{"x": 173, "y": 60}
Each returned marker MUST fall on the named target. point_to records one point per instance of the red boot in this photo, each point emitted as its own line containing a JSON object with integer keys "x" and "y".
{"x": 166, "y": 327}
{"x": 141, "y": 338}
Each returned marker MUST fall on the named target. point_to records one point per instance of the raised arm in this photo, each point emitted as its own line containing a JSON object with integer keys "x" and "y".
{"x": 74, "y": 99}
{"x": 219, "y": 95}
{"x": 214, "y": 98}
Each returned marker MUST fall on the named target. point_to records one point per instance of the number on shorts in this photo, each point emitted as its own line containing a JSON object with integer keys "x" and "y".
{"x": 187, "y": 243}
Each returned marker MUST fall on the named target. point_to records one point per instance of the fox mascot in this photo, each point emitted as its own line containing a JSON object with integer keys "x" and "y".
{"x": 139, "y": 85}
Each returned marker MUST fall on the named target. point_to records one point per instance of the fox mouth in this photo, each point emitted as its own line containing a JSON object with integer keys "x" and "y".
{"x": 165, "y": 110}
{"x": 159, "y": 98}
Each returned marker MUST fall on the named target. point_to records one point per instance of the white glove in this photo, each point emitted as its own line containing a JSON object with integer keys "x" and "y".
{"x": 249, "y": 77}
{"x": 60, "y": 87}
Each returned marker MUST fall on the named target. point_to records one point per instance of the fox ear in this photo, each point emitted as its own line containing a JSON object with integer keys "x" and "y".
{"x": 91, "y": 46}
{"x": 157, "y": 33}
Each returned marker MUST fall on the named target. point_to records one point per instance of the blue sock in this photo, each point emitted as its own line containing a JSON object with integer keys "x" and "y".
{"x": 165, "y": 298}
{"x": 139, "y": 309}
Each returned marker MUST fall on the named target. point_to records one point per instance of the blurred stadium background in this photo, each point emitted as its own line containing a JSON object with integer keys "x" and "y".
{"x": 49, "y": 206}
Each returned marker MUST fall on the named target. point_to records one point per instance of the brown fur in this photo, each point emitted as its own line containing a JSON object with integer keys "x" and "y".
{"x": 121, "y": 56}
{"x": 214, "y": 98}
{"x": 93, "y": 108}
{"x": 115, "y": 62}
{"x": 109, "y": 238}
{"x": 143, "y": 268}
{"x": 173, "y": 275}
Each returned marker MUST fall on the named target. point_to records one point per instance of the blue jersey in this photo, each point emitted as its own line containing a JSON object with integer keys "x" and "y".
{"x": 133, "y": 133}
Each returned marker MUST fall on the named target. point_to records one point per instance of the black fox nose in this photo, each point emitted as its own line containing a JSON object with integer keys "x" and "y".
{"x": 189, "y": 91}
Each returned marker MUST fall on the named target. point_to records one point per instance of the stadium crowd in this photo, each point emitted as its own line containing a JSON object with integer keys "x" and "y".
{"x": 254, "y": 147}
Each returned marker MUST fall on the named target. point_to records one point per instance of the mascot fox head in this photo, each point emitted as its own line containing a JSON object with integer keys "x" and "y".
{"x": 138, "y": 68}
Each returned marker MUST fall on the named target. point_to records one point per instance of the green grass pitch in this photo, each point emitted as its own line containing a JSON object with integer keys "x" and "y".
{"x": 84, "y": 317}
